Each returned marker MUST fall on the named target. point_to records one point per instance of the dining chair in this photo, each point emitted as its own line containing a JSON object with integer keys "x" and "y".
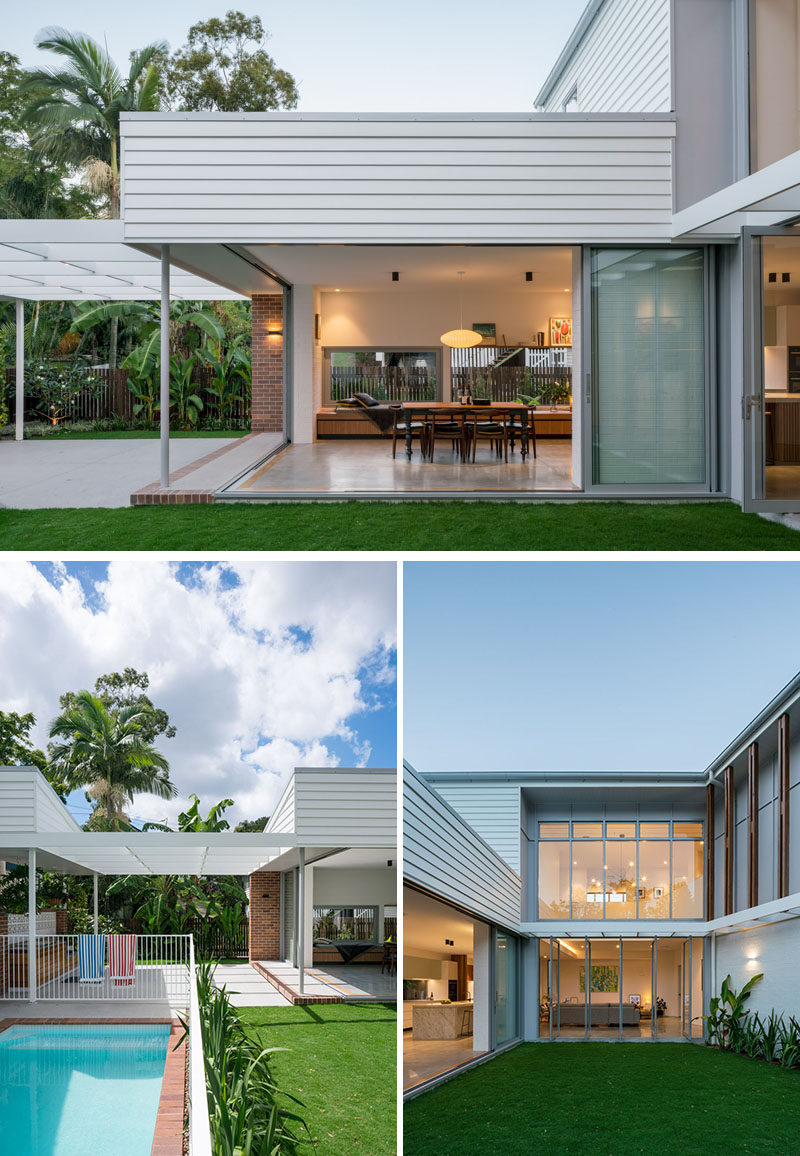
{"x": 447, "y": 427}
{"x": 495, "y": 431}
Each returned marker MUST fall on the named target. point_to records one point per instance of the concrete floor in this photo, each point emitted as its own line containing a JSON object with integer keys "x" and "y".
{"x": 352, "y": 982}
{"x": 355, "y": 466}
{"x": 782, "y": 482}
{"x": 43, "y": 473}
{"x": 425, "y": 1058}
{"x": 247, "y": 987}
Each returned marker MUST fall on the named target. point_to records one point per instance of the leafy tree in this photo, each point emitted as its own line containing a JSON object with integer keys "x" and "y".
{"x": 105, "y": 750}
{"x": 128, "y": 688}
{"x": 30, "y": 185}
{"x": 192, "y": 820}
{"x": 224, "y": 66}
{"x": 253, "y": 826}
{"x": 72, "y": 112}
{"x": 17, "y": 749}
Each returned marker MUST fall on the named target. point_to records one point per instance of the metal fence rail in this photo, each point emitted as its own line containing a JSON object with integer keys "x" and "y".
{"x": 199, "y": 1124}
{"x": 87, "y": 967}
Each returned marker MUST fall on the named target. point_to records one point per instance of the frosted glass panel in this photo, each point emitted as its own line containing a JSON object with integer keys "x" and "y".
{"x": 648, "y": 367}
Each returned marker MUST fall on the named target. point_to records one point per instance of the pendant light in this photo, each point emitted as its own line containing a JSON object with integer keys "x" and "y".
{"x": 460, "y": 338}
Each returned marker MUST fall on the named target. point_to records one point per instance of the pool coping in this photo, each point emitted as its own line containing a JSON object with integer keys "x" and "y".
{"x": 171, "y": 1113}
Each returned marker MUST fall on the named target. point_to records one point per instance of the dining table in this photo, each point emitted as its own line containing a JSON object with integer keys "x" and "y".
{"x": 418, "y": 410}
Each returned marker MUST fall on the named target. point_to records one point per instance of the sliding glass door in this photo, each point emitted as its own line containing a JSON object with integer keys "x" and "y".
{"x": 506, "y": 988}
{"x": 646, "y": 394}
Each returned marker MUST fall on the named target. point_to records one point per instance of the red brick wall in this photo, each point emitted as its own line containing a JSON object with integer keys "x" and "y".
{"x": 265, "y": 915}
{"x": 267, "y": 406}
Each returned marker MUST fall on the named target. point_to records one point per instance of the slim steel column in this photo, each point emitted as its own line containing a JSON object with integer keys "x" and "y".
{"x": 165, "y": 367}
{"x": 20, "y": 384}
{"x": 32, "y": 924}
{"x": 301, "y": 920}
{"x": 94, "y": 898}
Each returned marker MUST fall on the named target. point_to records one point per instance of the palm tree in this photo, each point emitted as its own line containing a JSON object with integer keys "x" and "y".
{"x": 105, "y": 752}
{"x": 73, "y": 112}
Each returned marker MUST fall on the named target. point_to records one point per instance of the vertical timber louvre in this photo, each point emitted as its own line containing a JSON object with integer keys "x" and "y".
{"x": 752, "y": 825}
{"x": 729, "y": 837}
{"x": 783, "y": 805}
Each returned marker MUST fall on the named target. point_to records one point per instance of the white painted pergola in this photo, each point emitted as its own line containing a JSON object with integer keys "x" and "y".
{"x": 88, "y": 261}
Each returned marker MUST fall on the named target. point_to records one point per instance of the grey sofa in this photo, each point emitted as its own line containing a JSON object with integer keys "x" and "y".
{"x": 602, "y": 1014}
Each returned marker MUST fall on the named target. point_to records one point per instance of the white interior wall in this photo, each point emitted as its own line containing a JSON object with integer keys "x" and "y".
{"x": 482, "y": 995}
{"x": 403, "y": 319}
{"x": 303, "y": 397}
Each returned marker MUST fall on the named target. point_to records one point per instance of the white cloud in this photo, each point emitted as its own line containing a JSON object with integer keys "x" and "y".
{"x": 261, "y": 666}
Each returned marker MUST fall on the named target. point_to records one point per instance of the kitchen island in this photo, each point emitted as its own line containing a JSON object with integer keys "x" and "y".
{"x": 441, "y": 1021}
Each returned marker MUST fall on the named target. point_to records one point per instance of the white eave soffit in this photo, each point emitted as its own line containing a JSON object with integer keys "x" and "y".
{"x": 769, "y": 197}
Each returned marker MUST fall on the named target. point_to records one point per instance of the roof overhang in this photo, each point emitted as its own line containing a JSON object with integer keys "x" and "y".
{"x": 53, "y": 260}
{"x": 767, "y": 198}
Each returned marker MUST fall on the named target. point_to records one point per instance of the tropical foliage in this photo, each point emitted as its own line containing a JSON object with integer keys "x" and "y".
{"x": 244, "y": 1103}
{"x": 731, "y": 1027}
{"x": 727, "y": 1014}
{"x": 105, "y": 750}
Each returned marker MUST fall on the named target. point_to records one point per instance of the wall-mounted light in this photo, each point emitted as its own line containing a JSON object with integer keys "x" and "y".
{"x": 274, "y": 333}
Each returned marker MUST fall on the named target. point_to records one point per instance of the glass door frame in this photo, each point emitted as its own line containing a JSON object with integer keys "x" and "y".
{"x": 583, "y": 375}
{"x": 514, "y": 997}
{"x": 752, "y": 399}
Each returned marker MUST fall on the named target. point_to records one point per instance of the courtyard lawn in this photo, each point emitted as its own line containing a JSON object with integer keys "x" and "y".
{"x": 342, "y": 1065}
{"x": 401, "y": 526}
{"x": 611, "y": 1100}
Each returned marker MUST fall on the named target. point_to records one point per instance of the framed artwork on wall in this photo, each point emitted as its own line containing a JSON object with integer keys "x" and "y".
{"x": 487, "y": 330}
{"x": 561, "y": 331}
{"x": 604, "y": 977}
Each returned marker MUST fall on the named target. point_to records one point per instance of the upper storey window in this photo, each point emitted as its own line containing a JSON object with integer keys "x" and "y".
{"x": 621, "y": 870}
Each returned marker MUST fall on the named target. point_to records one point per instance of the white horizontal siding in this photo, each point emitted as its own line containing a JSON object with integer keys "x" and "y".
{"x": 355, "y": 808}
{"x": 28, "y": 803}
{"x": 282, "y": 818}
{"x": 492, "y": 811}
{"x": 445, "y": 856}
{"x": 623, "y": 62}
{"x": 279, "y": 177}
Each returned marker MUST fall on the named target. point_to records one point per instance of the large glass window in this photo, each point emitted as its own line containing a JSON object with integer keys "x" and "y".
{"x": 386, "y": 374}
{"x": 554, "y": 879}
{"x": 648, "y": 367}
{"x": 621, "y": 870}
{"x": 343, "y": 923}
{"x": 506, "y": 988}
{"x": 587, "y": 880}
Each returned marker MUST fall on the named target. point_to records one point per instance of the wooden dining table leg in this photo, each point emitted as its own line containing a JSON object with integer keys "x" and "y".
{"x": 523, "y": 441}
{"x": 408, "y": 416}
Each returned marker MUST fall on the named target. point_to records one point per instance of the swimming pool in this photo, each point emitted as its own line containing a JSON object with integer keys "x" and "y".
{"x": 83, "y": 1090}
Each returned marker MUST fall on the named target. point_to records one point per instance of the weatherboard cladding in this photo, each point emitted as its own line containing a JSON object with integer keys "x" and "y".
{"x": 346, "y": 808}
{"x": 283, "y": 816}
{"x": 443, "y": 855}
{"x": 509, "y": 177}
{"x": 622, "y": 64}
{"x": 493, "y": 811}
{"x": 30, "y": 804}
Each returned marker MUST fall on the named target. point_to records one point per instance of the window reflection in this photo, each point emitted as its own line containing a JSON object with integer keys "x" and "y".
{"x": 620, "y": 881}
{"x": 687, "y": 880}
{"x": 653, "y": 880}
{"x": 553, "y": 880}
{"x": 587, "y": 880}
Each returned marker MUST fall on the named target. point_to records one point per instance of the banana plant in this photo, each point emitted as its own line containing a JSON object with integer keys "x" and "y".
{"x": 183, "y": 395}
{"x": 231, "y": 374}
{"x": 142, "y": 367}
{"x": 727, "y": 1014}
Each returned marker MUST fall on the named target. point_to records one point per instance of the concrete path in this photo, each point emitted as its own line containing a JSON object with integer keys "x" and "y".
{"x": 246, "y": 987}
{"x": 347, "y": 982}
{"x": 43, "y": 473}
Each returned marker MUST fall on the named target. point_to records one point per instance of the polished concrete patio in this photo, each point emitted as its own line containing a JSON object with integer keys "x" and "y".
{"x": 104, "y": 472}
{"x": 346, "y": 982}
{"x": 423, "y": 1059}
{"x": 246, "y": 987}
{"x": 360, "y": 467}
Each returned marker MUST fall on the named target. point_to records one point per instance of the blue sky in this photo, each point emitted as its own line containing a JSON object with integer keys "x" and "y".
{"x": 353, "y": 55}
{"x": 607, "y": 665}
{"x": 262, "y": 666}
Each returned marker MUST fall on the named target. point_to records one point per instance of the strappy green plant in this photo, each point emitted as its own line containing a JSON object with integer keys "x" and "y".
{"x": 727, "y": 1014}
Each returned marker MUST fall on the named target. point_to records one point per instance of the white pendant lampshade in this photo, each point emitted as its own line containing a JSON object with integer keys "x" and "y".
{"x": 460, "y": 338}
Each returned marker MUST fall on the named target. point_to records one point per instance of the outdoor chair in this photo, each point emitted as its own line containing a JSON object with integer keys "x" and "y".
{"x": 400, "y": 426}
{"x": 389, "y": 961}
{"x": 494, "y": 431}
{"x": 443, "y": 426}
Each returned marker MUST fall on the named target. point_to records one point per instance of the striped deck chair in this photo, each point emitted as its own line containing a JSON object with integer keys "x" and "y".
{"x": 91, "y": 958}
{"x": 122, "y": 958}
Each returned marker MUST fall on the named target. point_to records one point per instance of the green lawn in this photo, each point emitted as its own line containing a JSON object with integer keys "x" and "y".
{"x": 609, "y": 1100}
{"x": 342, "y": 1065}
{"x": 404, "y": 526}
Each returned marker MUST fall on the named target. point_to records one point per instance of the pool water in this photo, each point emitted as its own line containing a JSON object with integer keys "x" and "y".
{"x": 84, "y": 1090}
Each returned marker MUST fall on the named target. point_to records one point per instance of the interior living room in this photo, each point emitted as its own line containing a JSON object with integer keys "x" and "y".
{"x": 408, "y": 338}
{"x": 439, "y": 988}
